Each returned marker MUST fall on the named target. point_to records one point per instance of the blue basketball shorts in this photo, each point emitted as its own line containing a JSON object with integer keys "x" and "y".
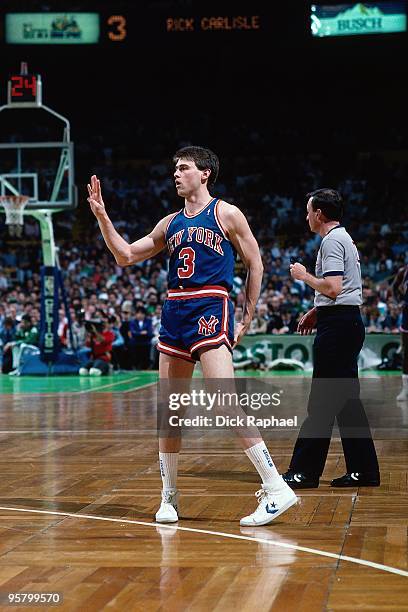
{"x": 196, "y": 318}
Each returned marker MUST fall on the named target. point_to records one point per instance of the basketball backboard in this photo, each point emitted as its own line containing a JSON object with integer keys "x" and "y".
{"x": 40, "y": 168}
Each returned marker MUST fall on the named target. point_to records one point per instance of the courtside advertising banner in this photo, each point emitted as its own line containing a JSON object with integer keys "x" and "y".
{"x": 295, "y": 352}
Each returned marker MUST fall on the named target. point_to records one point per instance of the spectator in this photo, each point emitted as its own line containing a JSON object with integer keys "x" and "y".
{"x": 118, "y": 345}
{"x": 99, "y": 340}
{"x": 78, "y": 329}
{"x": 141, "y": 336}
{"x": 7, "y": 337}
{"x": 125, "y": 357}
{"x": 260, "y": 321}
{"x": 275, "y": 322}
{"x": 289, "y": 322}
{"x": 372, "y": 320}
{"x": 4, "y": 283}
{"x": 26, "y": 334}
{"x": 392, "y": 321}
{"x": 156, "y": 322}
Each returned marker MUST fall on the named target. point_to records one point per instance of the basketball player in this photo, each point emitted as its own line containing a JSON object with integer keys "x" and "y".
{"x": 400, "y": 288}
{"x": 197, "y": 317}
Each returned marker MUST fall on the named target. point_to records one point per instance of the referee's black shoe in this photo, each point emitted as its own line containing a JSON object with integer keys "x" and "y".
{"x": 357, "y": 479}
{"x": 300, "y": 480}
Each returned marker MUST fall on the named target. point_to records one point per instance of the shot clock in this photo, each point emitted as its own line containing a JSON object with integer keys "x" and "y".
{"x": 24, "y": 90}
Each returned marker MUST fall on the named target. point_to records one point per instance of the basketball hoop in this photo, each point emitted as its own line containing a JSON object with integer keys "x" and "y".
{"x": 14, "y": 208}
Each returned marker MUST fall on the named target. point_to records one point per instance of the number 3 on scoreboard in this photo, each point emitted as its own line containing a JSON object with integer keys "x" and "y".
{"x": 188, "y": 255}
{"x": 119, "y": 22}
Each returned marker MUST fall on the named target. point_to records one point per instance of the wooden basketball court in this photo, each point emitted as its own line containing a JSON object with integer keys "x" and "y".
{"x": 80, "y": 486}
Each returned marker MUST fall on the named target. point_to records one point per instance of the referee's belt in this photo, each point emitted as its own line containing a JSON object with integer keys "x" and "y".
{"x": 188, "y": 293}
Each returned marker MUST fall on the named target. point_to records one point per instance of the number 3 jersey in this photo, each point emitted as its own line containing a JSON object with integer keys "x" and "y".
{"x": 200, "y": 253}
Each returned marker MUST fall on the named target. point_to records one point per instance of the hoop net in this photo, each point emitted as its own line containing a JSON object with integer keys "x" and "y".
{"x": 14, "y": 208}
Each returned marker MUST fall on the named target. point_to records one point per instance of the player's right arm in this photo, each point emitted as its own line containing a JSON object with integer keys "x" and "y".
{"x": 124, "y": 253}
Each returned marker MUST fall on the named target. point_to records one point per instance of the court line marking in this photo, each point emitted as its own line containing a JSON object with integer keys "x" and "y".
{"x": 83, "y": 391}
{"x": 114, "y": 384}
{"x": 46, "y": 395}
{"x": 46, "y": 432}
{"x": 150, "y": 384}
{"x": 232, "y": 536}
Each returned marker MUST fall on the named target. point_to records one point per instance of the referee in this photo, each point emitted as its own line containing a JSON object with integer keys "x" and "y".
{"x": 335, "y": 390}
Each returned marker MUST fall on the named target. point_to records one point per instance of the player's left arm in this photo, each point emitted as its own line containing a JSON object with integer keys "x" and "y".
{"x": 239, "y": 233}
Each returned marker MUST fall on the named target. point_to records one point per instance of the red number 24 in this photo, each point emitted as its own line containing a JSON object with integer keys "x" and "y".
{"x": 188, "y": 255}
{"x": 20, "y": 82}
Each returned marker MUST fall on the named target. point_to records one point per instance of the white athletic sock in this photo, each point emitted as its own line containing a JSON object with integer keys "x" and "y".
{"x": 168, "y": 470}
{"x": 262, "y": 461}
{"x": 405, "y": 380}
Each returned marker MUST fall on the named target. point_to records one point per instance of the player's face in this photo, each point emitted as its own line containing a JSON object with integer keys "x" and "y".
{"x": 312, "y": 217}
{"x": 188, "y": 177}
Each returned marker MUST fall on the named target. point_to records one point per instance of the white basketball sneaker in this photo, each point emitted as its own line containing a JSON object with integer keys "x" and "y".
{"x": 272, "y": 502}
{"x": 95, "y": 372}
{"x": 403, "y": 395}
{"x": 167, "y": 513}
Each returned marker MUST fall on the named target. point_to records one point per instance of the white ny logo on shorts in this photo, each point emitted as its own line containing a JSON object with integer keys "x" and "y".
{"x": 206, "y": 328}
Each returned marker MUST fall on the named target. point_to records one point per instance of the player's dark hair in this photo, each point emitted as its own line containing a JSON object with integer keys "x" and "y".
{"x": 329, "y": 201}
{"x": 203, "y": 158}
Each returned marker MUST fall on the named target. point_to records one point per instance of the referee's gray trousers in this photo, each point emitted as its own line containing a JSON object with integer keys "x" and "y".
{"x": 335, "y": 394}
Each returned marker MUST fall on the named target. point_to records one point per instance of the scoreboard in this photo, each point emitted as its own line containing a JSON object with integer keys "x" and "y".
{"x": 133, "y": 22}
{"x": 150, "y": 32}
{"x": 145, "y": 24}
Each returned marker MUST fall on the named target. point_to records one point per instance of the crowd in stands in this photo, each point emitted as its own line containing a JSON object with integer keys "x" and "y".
{"x": 270, "y": 192}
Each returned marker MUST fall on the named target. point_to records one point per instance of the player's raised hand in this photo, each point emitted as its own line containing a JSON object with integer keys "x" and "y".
{"x": 95, "y": 197}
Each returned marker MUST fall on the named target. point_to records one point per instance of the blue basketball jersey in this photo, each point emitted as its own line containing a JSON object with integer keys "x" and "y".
{"x": 200, "y": 253}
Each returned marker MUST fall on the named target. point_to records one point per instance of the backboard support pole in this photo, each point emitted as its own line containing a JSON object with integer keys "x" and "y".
{"x": 49, "y": 251}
